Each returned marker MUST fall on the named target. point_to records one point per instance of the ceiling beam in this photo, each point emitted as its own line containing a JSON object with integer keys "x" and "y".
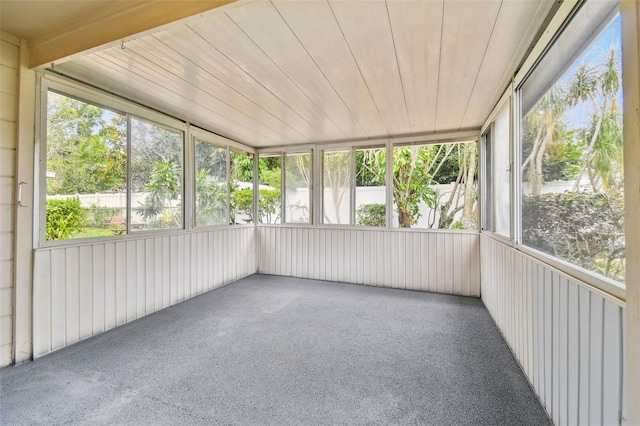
{"x": 112, "y": 25}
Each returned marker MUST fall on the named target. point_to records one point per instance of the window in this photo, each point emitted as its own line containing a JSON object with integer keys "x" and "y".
{"x": 211, "y": 187}
{"x": 297, "y": 198}
{"x": 241, "y": 188}
{"x": 93, "y": 168}
{"x": 337, "y": 181}
{"x": 502, "y": 173}
{"x": 156, "y": 176}
{"x": 571, "y": 144}
{"x": 371, "y": 189}
{"x": 487, "y": 208}
{"x": 435, "y": 186}
{"x": 270, "y": 186}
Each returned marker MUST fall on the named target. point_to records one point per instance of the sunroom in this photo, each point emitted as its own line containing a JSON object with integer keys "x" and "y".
{"x": 232, "y": 167}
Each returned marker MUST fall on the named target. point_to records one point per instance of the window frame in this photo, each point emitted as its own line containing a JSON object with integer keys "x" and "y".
{"x": 505, "y": 102}
{"x": 183, "y": 226}
{"x": 391, "y": 213}
{"x": 352, "y": 184}
{"x": 48, "y": 81}
{"x": 312, "y": 184}
{"x": 606, "y": 286}
{"x": 317, "y": 152}
{"x": 218, "y": 142}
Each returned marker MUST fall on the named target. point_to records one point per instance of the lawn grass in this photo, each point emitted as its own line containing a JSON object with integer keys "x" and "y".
{"x": 94, "y": 232}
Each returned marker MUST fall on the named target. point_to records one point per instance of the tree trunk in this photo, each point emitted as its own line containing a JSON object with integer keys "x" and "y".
{"x": 404, "y": 218}
{"x": 468, "y": 216}
{"x": 589, "y": 154}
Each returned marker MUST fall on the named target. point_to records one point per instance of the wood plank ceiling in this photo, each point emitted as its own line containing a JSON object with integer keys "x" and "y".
{"x": 271, "y": 73}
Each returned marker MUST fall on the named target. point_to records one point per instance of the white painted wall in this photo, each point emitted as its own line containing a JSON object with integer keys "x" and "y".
{"x": 84, "y": 290}
{"x": 9, "y": 60}
{"x": 436, "y": 261}
{"x": 568, "y": 338}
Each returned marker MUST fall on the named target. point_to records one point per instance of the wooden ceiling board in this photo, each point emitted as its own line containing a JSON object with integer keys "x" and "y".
{"x": 367, "y": 30}
{"x": 467, "y": 28}
{"x": 416, "y": 28}
{"x": 275, "y": 73}
{"x": 158, "y": 77}
{"x": 229, "y": 39}
{"x": 296, "y": 63}
{"x": 104, "y": 73}
{"x": 316, "y": 27}
{"x": 198, "y": 51}
{"x": 198, "y": 82}
{"x": 512, "y": 35}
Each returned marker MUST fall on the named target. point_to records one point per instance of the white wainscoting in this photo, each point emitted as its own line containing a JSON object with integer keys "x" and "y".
{"x": 568, "y": 338}
{"x": 83, "y": 290}
{"x": 442, "y": 262}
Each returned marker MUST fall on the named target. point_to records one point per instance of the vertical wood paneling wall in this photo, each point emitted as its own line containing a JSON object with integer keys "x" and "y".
{"x": 568, "y": 338}
{"x": 442, "y": 262}
{"x": 9, "y": 63}
{"x": 83, "y": 290}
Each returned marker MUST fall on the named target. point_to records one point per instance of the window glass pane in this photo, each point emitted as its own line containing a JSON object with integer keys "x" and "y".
{"x": 269, "y": 195}
{"x": 297, "y": 194}
{"x": 572, "y": 158}
{"x": 211, "y": 185}
{"x": 336, "y": 179}
{"x": 86, "y": 170}
{"x": 241, "y": 197}
{"x": 502, "y": 174}
{"x": 435, "y": 186}
{"x": 487, "y": 212}
{"x": 371, "y": 190}
{"x": 156, "y": 176}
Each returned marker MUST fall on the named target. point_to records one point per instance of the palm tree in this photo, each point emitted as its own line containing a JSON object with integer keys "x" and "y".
{"x": 598, "y": 85}
{"x": 543, "y": 121}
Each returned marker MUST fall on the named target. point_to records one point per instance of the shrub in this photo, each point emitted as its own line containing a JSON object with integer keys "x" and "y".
{"x": 64, "y": 218}
{"x": 242, "y": 202}
{"x": 371, "y": 215}
{"x": 269, "y": 205}
{"x": 583, "y": 228}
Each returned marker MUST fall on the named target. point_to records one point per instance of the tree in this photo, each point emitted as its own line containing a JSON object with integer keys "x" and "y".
{"x": 86, "y": 147}
{"x": 211, "y": 199}
{"x": 337, "y": 176}
{"x": 542, "y": 122}
{"x": 163, "y": 190}
{"x": 598, "y": 85}
{"x": 463, "y": 196}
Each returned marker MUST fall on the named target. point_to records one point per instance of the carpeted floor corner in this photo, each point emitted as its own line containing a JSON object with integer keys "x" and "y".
{"x": 277, "y": 350}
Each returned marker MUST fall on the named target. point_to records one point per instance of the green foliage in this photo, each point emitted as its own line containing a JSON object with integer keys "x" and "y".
{"x": 457, "y": 225}
{"x": 86, "y": 147}
{"x": 64, "y": 218}
{"x": 152, "y": 144}
{"x": 371, "y": 215}
{"x": 562, "y": 158}
{"x": 163, "y": 188}
{"x": 211, "y": 200}
{"x": 242, "y": 202}
{"x": 370, "y": 169}
{"x": 269, "y": 204}
{"x": 575, "y": 129}
{"x": 586, "y": 229}
{"x": 270, "y": 172}
{"x": 241, "y": 167}
{"x": 411, "y": 182}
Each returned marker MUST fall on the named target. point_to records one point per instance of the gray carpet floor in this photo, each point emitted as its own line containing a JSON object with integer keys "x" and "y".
{"x": 275, "y": 350}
